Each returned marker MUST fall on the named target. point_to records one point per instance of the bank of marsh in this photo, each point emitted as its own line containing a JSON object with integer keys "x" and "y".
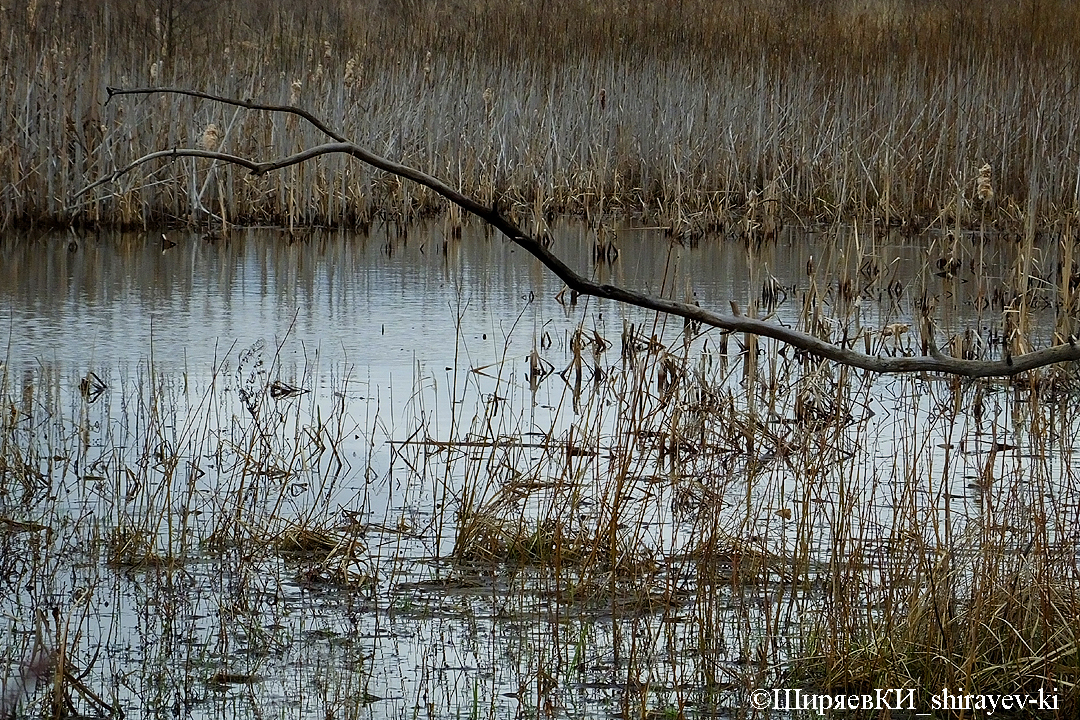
{"x": 699, "y": 117}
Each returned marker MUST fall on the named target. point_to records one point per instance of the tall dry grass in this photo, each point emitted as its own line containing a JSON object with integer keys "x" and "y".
{"x": 696, "y": 115}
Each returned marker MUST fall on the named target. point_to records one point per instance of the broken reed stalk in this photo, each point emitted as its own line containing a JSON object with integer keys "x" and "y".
{"x": 936, "y": 361}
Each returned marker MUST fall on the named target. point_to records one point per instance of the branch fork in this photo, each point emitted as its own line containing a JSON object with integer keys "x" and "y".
{"x": 935, "y": 362}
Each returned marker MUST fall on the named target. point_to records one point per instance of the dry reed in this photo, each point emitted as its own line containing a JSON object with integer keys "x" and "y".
{"x": 696, "y": 517}
{"x": 700, "y": 119}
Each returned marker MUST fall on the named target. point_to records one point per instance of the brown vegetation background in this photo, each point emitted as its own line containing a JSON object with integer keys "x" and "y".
{"x": 697, "y": 114}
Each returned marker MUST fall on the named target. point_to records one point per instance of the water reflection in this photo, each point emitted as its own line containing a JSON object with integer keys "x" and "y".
{"x": 390, "y": 299}
{"x": 415, "y": 355}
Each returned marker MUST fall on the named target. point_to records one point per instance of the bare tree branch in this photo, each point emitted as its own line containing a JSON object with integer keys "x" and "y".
{"x": 323, "y": 127}
{"x": 935, "y": 362}
{"x": 171, "y": 154}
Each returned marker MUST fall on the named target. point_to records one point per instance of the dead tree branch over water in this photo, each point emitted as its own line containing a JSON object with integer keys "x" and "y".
{"x": 935, "y": 362}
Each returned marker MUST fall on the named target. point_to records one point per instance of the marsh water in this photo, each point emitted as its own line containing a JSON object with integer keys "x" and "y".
{"x": 383, "y": 383}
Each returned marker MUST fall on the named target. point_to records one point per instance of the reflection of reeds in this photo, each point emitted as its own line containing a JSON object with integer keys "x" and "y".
{"x": 830, "y": 113}
{"x": 880, "y": 603}
{"x": 713, "y": 528}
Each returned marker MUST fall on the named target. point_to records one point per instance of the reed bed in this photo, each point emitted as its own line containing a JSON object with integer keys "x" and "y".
{"x": 170, "y": 505}
{"x": 638, "y": 519}
{"x": 763, "y": 509}
{"x": 698, "y": 117}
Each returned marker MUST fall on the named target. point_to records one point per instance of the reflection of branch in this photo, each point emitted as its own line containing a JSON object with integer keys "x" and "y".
{"x": 935, "y": 362}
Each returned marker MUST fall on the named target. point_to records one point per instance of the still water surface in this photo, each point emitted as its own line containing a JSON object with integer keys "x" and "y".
{"x": 390, "y": 335}
{"x": 378, "y": 301}
{"x": 385, "y": 301}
